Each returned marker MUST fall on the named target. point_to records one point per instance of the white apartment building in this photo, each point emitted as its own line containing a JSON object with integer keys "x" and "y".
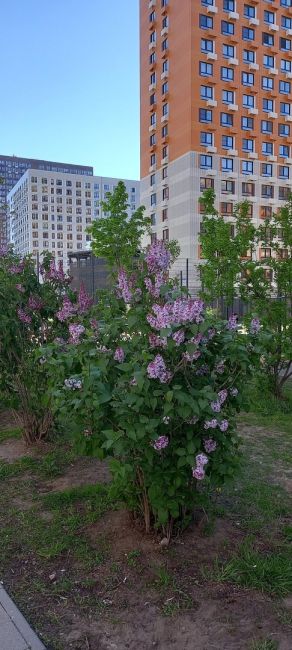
{"x": 51, "y": 211}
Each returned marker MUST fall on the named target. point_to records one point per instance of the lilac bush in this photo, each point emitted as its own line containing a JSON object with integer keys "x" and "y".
{"x": 159, "y": 385}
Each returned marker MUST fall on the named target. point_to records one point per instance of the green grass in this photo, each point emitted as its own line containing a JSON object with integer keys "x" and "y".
{"x": 270, "y": 572}
{"x": 268, "y": 644}
{"x": 6, "y": 434}
{"x": 48, "y": 466}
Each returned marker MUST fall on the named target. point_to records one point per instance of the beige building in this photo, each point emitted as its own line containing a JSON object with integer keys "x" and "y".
{"x": 50, "y": 211}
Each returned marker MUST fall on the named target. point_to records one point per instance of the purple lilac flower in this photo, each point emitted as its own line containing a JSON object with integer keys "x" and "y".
{"x": 157, "y": 257}
{"x": 222, "y": 396}
{"x": 17, "y": 268}
{"x": 94, "y": 324}
{"x": 224, "y": 425}
{"x": 179, "y": 337}
{"x": 20, "y": 288}
{"x": 193, "y": 420}
{"x": 211, "y": 333}
{"x": 211, "y": 424}
{"x": 210, "y": 445}
{"x": 67, "y": 311}
{"x": 138, "y": 294}
{"x": 160, "y": 443}
{"x": 75, "y": 331}
{"x": 123, "y": 286}
{"x": 23, "y": 316}
{"x": 232, "y": 322}
{"x": 192, "y": 356}
{"x": 35, "y": 303}
{"x": 156, "y": 341}
{"x": 216, "y": 407}
{"x": 84, "y": 301}
{"x": 203, "y": 370}
{"x": 133, "y": 382}
{"x": 3, "y": 250}
{"x": 220, "y": 367}
{"x": 55, "y": 273}
{"x": 198, "y": 473}
{"x": 176, "y": 313}
{"x": 157, "y": 370}
{"x": 233, "y": 391}
{"x": 119, "y": 355}
{"x": 255, "y": 326}
{"x": 73, "y": 384}
{"x": 201, "y": 460}
{"x": 103, "y": 349}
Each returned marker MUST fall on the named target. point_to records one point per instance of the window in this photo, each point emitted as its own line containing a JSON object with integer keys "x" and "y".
{"x": 285, "y": 44}
{"x": 206, "y": 162}
{"x": 165, "y": 22}
{"x": 266, "y": 126}
{"x": 248, "y": 34}
{"x": 206, "y": 22}
{"x": 267, "y": 83}
{"x": 165, "y": 193}
{"x": 226, "y": 119}
{"x": 247, "y": 144}
{"x": 153, "y": 199}
{"x": 268, "y": 191}
{"x": 164, "y": 89}
{"x": 265, "y": 253}
{"x": 205, "y": 115}
{"x": 153, "y": 78}
{"x": 227, "y": 164}
{"x": 165, "y": 108}
{"x": 153, "y": 159}
{"x": 286, "y": 65}
{"x": 227, "y": 74}
{"x": 284, "y": 151}
{"x": 248, "y": 189}
{"x": 283, "y": 171}
{"x": 285, "y": 87}
{"x": 269, "y": 61}
{"x": 286, "y": 22}
{"x": 266, "y": 211}
{"x": 152, "y": 99}
{"x": 249, "y": 11}
{"x": 227, "y": 187}
{"x": 285, "y": 108}
{"x": 152, "y": 38}
{"x": 164, "y": 152}
{"x": 153, "y": 237}
{"x": 152, "y": 58}
{"x": 153, "y": 119}
{"x": 226, "y": 27}
{"x": 164, "y": 45}
{"x": 247, "y": 78}
{"x": 165, "y": 234}
{"x": 207, "y": 92}
{"x": 228, "y": 51}
{"x": 247, "y": 123}
{"x": 248, "y": 56}
{"x": 269, "y": 17}
{"x": 248, "y": 101}
{"x": 152, "y": 139}
{"x": 152, "y": 17}
{"x": 206, "y": 184}
{"x": 207, "y": 3}
{"x": 206, "y": 138}
{"x": 227, "y": 142}
{"x": 228, "y": 5}
{"x": 164, "y": 131}
{"x": 266, "y": 169}
{"x": 165, "y": 65}
{"x": 268, "y": 105}
{"x": 284, "y": 130}
{"x": 152, "y": 179}
{"x": 164, "y": 172}
{"x": 206, "y": 69}
{"x": 226, "y": 209}
{"x": 207, "y": 45}
{"x": 164, "y": 214}
{"x": 267, "y": 148}
{"x": 268, "y": 39}
{"x": 227, "y": 96}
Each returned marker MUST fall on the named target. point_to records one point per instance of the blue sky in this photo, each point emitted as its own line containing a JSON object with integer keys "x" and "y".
{"x": 70, "y": 83}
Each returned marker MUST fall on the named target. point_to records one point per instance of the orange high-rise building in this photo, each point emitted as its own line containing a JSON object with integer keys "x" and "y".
{"x": 216, "y": 111}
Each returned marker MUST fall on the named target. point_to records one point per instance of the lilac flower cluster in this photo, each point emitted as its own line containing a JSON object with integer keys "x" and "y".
{"x": 15, "y": 269}
{"x": 73, "y": 384}
{"x": 233, "y": 391}
{"x": 198, "y": 470}
{"x": 176, "y": 313}
{"x": 224, "y": 424}
{"x": 203, "y": 370}
{"x": 232, "y": 322}
{"x": 3, "y": 250}
{"x": 157, "y": 370}
{"x": 216, "y": 407}
{"x": 67, "y": 311}
{"x": 192, "y": 356}
{"x": 84, "y": 301}
{"x": 55, "y": 273}
{"x": 154, "y": 289}
{"x": 160, "y": 443}
{"x": 20, "y": 288}
{"x": 211, "y": 333}
{"x": 124, "y": 290}
{"x": 179, "y": 337}
{"x": 119, "y": 355}
{"x": 255, "y": 326}
{"x": 222, "y": 396}
{"x": 35, "y": 303}
{"x": 210, "y": 445}
{"x": 212, "y": 424}
{"x": 23, "y": 316}
{"x": 220, "y": 367}
{"x": 75, "y": 331}
{"x": 157, "y": 257}
{"x": 156, "y": 341}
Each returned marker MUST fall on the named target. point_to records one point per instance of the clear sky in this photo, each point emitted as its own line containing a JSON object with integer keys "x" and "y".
{"x": 70, "y": 83}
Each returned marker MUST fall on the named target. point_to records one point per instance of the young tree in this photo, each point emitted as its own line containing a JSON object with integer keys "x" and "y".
{"x": 253, "y": 263}
{"x": 117, "y": 238}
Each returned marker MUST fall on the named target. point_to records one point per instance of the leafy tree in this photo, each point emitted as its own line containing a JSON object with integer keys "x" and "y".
{"x": 117, "y": 237}
{"x": 233, "y": 267}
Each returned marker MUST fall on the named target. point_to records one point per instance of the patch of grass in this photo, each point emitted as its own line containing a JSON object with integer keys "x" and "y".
{"x": 268, "y": 644}
{"x": 259, "y": 506}
{"x": 48, "y": 466}
{"x": 271, "y": 572}
{"x": 133, "y": 558}
{"x": 164, "y": 579}
{"x": 6, "y": 434}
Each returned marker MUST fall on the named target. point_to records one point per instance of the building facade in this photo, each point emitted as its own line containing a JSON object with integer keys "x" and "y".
{"x": 51, "y": 211}
{"x": 11, "y": 170}
{"x": 216, "y": 111}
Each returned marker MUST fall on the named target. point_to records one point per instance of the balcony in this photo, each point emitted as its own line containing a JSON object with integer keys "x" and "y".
{"x": 253, "y": 66}
{"x": 288, "y": 118}
{"x": 164, "y": 161}
{"x": 273, "y": 71}
{"x": 273, "y": 27}
{"x": 152, "y": 168}
{"x": 233, "y": 15}
{"x": 152, "y": 87}
{"x": 212, "y": 56}
{"x": 233, "y": 61}
{"x": 212, "y": 9}
{"x": 152, "y": 127}
{"x": 289, "y": 162}
{"x": 211, "y": 149}
{"x": 164, "y": 31}
{"x": 152, "y": 45}
{"x": 254, "y": 21}
{"x": 272, "y": 158}
{"x": 164, "y": 75}
{"x": 164, "y": 118}
{"x": 233, "y": 152}
{"x": 252, "y": 111}
{"x": 273, "y": 115}
{"x": 212, "y": 102}
{"x": 288, "y": 75}
{"x": 251, "y": 177}
{"x": 209, "y": 172}
{"x": 152, "y": 3}
{"x": 253, "y": 155}
{"x": 232, "y": 107}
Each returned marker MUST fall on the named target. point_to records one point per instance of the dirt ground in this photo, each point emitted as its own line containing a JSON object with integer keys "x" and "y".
{"x": 140, "y": 596}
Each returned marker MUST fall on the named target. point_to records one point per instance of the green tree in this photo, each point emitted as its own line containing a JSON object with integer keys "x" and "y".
{"x": 253, "y": 263}
{"x": 117, "y": 238}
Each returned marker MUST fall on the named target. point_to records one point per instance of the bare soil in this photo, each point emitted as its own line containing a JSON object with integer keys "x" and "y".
{"x": 141, "y": 596}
